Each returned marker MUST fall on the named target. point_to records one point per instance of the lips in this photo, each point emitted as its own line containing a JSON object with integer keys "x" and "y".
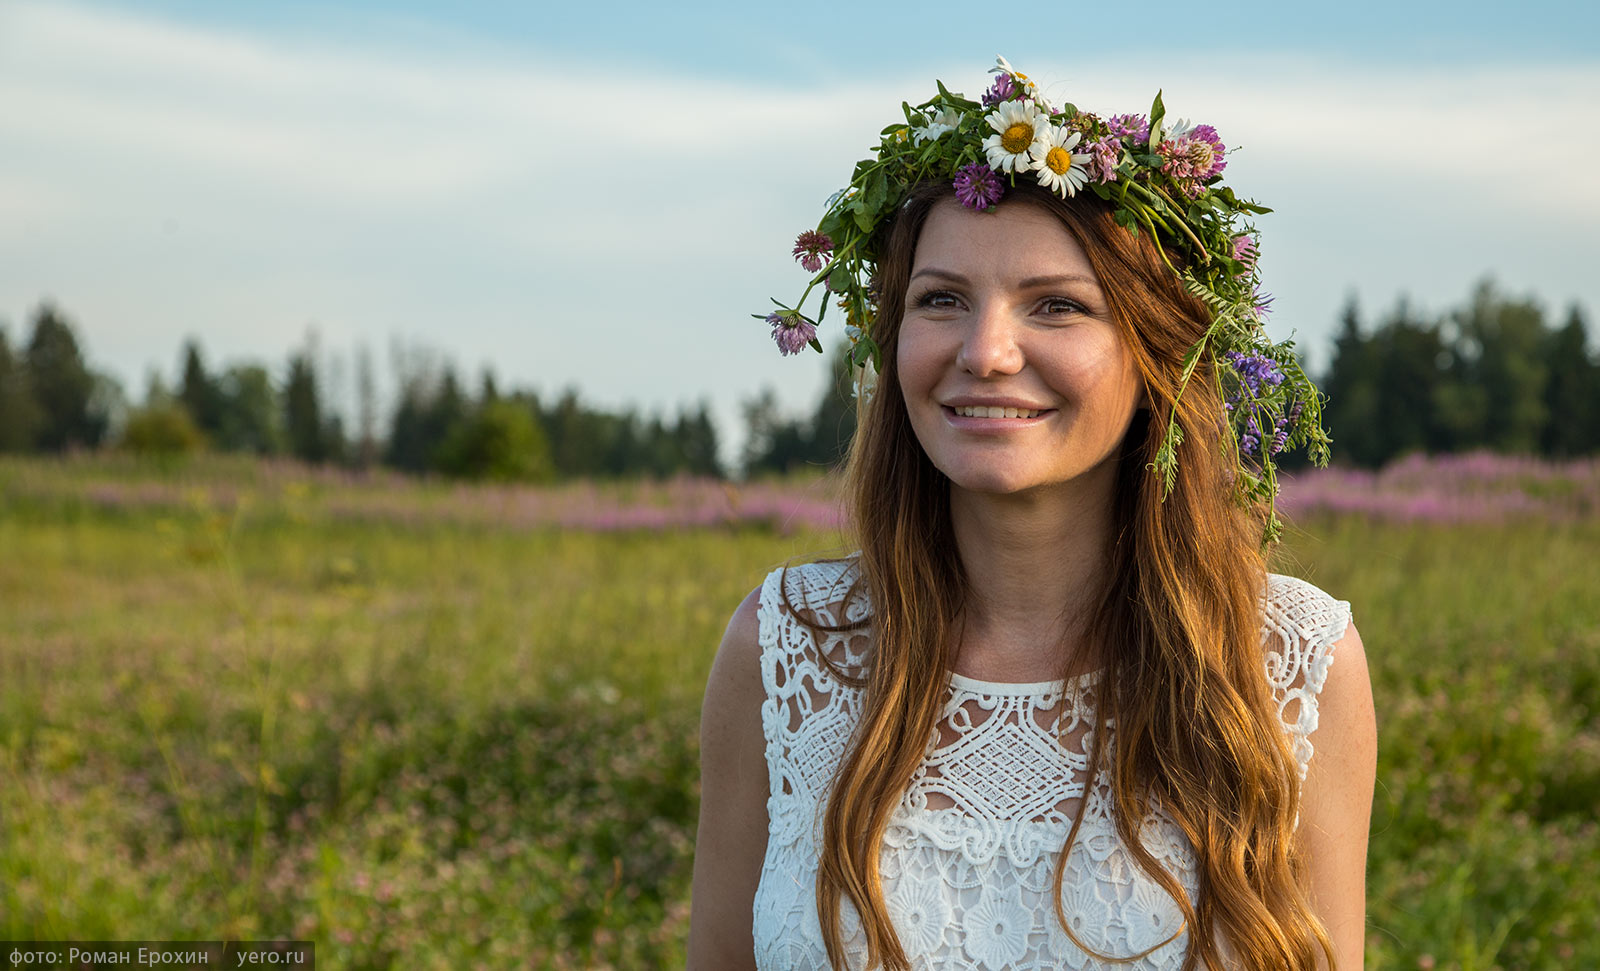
{"x": 993, "y": 411}
{"x": 993, "y": 419}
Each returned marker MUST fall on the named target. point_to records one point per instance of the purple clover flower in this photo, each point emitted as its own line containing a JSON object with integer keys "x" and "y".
{"x": 1136, "y": 127}
{"x": 1206, "y": 135}
{"x": 1192, "y": 156}
{"x": 977, "y": 186}
{"x": 1003, "y": 89}
{"x": 791, "y": 330}
{"x": 812, "y": 249}
{"x": 1104, "y": 155}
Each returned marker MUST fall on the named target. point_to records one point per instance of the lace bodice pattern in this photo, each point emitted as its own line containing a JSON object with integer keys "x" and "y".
{"x": 968, "y": 856}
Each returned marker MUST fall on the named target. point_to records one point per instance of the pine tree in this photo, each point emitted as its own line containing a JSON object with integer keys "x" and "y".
{"x": 61, "y": 385}
{"x": 1572, "y": 393}
{"x": 302, "y": 412}
{"x": 697, "y": 442}
{"x": 19, "y": 416}
{"x": 447, "y": 410}
{"x": 1351, "y": 387}
{"x": 199, "y": 393}
{"x": 1407, "y": 350}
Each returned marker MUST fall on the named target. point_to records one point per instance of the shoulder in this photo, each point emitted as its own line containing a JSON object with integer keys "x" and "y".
{"x": 764, "y": 623}
{"x": 734, "y": 685}
{"x": 732, "y": 833}
{"x": 1336, "y": 796}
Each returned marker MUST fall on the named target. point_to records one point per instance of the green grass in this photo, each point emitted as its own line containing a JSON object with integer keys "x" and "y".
{"x": 433, "y": 745}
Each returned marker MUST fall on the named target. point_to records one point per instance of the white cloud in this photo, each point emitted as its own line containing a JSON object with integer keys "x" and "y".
{"x": 588, "y": 224}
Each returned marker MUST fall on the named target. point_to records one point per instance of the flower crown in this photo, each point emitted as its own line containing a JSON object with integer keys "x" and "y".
{"x": 1160, "y": 177}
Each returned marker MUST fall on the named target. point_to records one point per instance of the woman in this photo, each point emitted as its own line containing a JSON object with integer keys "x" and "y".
{"x": 1055, "y": 713}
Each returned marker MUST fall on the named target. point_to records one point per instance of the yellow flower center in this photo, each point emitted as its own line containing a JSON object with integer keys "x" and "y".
{"x": 1059, "y": 160}
{"x": 1017, "y": 138}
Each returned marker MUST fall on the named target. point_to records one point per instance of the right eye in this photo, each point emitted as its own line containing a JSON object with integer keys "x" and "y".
{"x": 938, "y": 300}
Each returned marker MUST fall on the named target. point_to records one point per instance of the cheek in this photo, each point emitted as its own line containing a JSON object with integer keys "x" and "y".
{"x": 1096, "y": 369}
{"x": 917, "y": 363}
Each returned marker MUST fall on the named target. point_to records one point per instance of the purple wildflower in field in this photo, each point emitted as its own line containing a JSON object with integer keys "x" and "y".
{"x": 792, "y": 331}
{"x": 977, "y": 187}
{"x": 812, "y": 250}
{"x": 1474, "y": 487}
{"x": 1255, "y": 371}
{"x": 1136, "y": 127}
{"x": 1003, "y": 89}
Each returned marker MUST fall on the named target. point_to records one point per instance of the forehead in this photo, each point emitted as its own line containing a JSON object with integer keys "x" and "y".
{"x": 1017, "y": 240}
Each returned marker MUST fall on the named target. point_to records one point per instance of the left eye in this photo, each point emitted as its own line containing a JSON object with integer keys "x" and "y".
{"x": 1061, "y": 305}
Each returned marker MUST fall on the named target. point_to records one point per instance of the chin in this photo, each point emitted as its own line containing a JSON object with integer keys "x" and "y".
{"x": 992, "y": 480}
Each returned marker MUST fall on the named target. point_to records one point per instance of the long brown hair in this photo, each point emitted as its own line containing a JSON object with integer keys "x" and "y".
{"x": 1183, "y": 681}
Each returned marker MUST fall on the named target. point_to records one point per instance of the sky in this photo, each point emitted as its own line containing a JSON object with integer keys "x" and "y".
{"x": 598, "y": 196}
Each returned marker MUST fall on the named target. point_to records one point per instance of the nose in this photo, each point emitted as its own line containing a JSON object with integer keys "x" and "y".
{"x": 990, "y": 345}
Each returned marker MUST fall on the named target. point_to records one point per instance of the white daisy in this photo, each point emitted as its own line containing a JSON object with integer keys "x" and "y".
{"x": 1061, "y": 170}
{"x": 945, "y": 121}
{"x": 1018, "y": 127}
{"x": 997, "y": 931}
{"x": 1003, "y": 66}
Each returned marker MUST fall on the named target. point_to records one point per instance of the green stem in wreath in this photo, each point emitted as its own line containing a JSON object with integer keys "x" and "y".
{"x": 1154, "y": 193}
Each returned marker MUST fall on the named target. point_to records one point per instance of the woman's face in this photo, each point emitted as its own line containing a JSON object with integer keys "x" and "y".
{"x": 1014, "y": 374}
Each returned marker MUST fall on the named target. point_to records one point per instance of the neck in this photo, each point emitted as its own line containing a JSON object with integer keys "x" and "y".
{"x": 1036, "y": 568}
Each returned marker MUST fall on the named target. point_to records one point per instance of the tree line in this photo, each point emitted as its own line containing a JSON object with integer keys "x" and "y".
{"x": 1492, "y": 373}
{"x": 52, "y": 401}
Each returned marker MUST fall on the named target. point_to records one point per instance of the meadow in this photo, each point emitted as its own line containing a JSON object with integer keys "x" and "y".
{"x": 440, "y": 726}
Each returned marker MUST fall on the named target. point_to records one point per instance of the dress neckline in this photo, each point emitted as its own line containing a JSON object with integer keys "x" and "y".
{"x": 978, "y": 686}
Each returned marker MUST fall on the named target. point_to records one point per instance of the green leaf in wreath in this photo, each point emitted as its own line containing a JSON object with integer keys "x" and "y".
{"x": 1158, "y": 111}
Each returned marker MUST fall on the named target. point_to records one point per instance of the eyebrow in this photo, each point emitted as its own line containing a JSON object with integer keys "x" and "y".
{"x": 1029, "y": 283}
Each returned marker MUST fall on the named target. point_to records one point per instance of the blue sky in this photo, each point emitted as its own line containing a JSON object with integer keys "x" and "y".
{"x": 809, "y": 42}
{"x": 597, "y": 195}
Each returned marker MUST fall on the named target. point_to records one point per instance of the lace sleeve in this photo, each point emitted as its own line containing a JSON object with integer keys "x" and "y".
{"x": 1300, "y": 625}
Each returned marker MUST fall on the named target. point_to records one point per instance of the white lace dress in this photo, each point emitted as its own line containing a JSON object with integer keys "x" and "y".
{"x": 968, "y": 855}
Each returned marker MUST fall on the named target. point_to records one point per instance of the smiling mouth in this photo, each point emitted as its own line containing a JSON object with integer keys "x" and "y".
{"x": 983, "y": 411}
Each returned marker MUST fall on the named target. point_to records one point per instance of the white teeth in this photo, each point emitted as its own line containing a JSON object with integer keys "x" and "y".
{"x": 983, "y": 411}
